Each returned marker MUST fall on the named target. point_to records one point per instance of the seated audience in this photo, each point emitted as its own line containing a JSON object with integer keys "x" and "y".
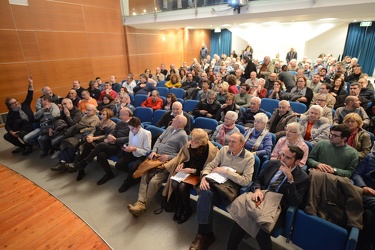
{"x": 46, "y": 91}
{"x": 69, "y": 116}
{"x": 143, "y": 86}
{"x": 277, "y": 92}
{"x": 154, "y": 101}
{"x": 19, "y": 121}
{"x": 228, "y": 106}
{"x": 232, "y": 82}
{"x": 158, "y": 76}
{"x": 202, "y": 94}
{"x": 124, "y": 99}
{"x": 281, "y": 176}
{"x": 366, "y": 91}
{"x": 243, "y": 98}
{"x": 338, "y": 87}
{"x": 359, "y": 138}
{"x": 108, "y": 102}
{"x": 287, "y": 78}
{"x": 129, "y": 84}
{"x": 224, "y": 130}
{"x": 257, "y": 139}
{"x": 364, "y": 178}
{"x": 170, "y": 99}
{"x": 190, "y": 160}
{"x": 321, "y": 100}
{"x": 334, "y": 156}
{"x": 316, "y": 127}
{"x": 174, "y": 82}
{"x": 207, "y": 108}
{"x": 134, "y": 152}
{"x": 165, "y": 149}
{"x": 107, "y": 91}
{"x": 266, "y": 69}
{"x": 86, "y": 99}
{"x": 166, "y": 120}
{"x": 258, "y": 90}
{"x": 293, "y": 137}
{"x": 247, "y": 118}
{"x": 72, "y": 95}
{"x": 352, "y": 105}
{"x": 115, "y": 85}
{"x": 315, "y": 83}
{"x": 94, "y": 89}
{"x": 190, "y": 86}
{"x": 280, "y": 118}
{"x": 77, "y": 87}
{"x": 355, "y": 75}
{"x": 300, "y": 93}
{"x": 355, "y": 90}
{"x": 235, "y": 156}
{"x": 45, "y": 115}
{"x": 111, "y": 145}
{"x": 222, "y": 91}
{"x": 325, "y": 89}
{"x": 270, "y": 82}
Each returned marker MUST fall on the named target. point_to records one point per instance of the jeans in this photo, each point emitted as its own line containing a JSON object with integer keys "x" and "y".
{"x": 32, "y": 137}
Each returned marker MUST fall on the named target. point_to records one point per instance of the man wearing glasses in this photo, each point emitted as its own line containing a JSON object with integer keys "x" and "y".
{"x": 19, "y": 121}
{"x": 324, "y": 89}
{"x": 334, "y": 156}
{"x": 208, "y": 107}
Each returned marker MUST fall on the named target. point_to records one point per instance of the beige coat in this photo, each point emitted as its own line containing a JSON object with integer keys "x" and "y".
{"x": 183, "y": 156}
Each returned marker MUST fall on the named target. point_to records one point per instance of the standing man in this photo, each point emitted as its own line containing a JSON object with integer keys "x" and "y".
{"x": 203, "y": 53}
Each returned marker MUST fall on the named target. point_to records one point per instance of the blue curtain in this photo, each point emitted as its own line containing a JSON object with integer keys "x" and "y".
{"x": 221, "y": 43}
{"x": 360, "y": 43}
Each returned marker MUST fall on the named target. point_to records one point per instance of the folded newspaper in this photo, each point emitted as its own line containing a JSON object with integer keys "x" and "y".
{"x": 219, "y": 178}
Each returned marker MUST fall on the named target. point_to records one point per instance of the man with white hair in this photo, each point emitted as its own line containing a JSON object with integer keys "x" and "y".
{"x": 266, "y": 69}
{"x": 168, "y": 116}
{"x": 46, "y": 91}
{"x": 280, "y": 118}
{"x": 247, "y": 117}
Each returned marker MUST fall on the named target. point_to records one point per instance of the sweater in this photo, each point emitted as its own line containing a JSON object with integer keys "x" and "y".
{"x": 243, "y": 100}
{"x": 170, "y": 142}
{"x": 154, "y": 105}
{"x": 344, "y": 158}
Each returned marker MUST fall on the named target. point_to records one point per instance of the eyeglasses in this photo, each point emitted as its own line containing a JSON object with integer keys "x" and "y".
{"x": 13, "y": 102}
{"x": 229, "y": 99}
{"x": 334, "y": 135}
{"x": 320, "y": 100}
{"x": 294, "y": 132}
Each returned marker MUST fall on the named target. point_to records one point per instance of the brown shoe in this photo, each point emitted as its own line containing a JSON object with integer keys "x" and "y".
{"x": 201, "y": 242}
{"x": 137, "y": 209}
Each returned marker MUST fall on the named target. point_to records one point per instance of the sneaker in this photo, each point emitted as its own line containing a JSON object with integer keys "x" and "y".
{"x": 137, "y": 209}
{"x": 55, "y": 155}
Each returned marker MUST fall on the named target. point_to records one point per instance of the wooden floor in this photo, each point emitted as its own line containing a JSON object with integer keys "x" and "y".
{"x": 31, "y": 218}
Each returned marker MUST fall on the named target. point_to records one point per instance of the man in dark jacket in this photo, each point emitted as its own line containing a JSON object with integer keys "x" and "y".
{"x": 208, "y": 107}
{"x": 19, "y": 122}
{"x": 282, "y": 176}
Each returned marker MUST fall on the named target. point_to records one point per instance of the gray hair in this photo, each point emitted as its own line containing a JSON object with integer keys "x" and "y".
{"x": 262, "y": 117}
{"x": 297, "y": 126}
{"x": 232, "y": 115}
{"x": 257, "y": 98}
{"x": 286, "y": 102}
{"x": 317, "y": 107}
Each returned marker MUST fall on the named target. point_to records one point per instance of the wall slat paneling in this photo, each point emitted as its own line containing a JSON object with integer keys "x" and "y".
{"x": 111, "y": 4}
{"x": 10, "y": 47}
{"x": 105, "y": 45}
{"x": 103, "y": 20}
{"x": 62, "y": 45}
{"x": 6, "y": 18}
{"x": 107, "y": 66}
{"x": 22, "y": 17}
{"x": 29, "y": 45}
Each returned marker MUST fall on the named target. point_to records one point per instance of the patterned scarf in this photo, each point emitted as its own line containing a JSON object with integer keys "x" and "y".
{"x": 224, "y": 129}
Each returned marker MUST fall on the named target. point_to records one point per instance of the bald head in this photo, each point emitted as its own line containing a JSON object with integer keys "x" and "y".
{"x": 90, "y": 110}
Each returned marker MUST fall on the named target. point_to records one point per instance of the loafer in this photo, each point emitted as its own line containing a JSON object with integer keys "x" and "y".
{"x": 124, "y": 187}
{"x": 105, "y": 178}
{"x": 27, "y": 151}
{"x": 61, "y": 166}
{"x": 201, "y": 242}
{"x": 18, "y": 150}
{"x": 81, "y": 174}
{"x": 184, "y": 216}
{"x": 177, "y": 214}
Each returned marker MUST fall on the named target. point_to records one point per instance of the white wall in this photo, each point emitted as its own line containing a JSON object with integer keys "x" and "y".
{"x": 331, "y": 41}
{"x": 267, "y": 39}
{"x": 238, "y": 44}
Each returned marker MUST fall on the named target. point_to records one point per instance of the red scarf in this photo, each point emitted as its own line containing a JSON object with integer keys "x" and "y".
{"x": 351, "y": 138}
{"x": 224, "y": 129}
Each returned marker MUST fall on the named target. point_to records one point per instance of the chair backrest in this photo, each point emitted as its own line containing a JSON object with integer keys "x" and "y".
{"x": 371, "y": 137}
{"x": 298, "y": 107}
{"x": 309, "y": 144}
{"x": 138, "y": 99}
{"x": 163, "y": 91}
{"x": 269, "y": 105}
{"x": 179, "y": 93}
{"x": 218, "y": 145}
{"x": 161, "y": 84}
{"x": 157, "y": 115}
{"x": 256, "y": 167}
{"x": 273, "y": 139}
{"x": 164, "y": 100}
{"x": 189, "y": 105}
{"x": 115, "y": 119}
{"x": 181, "y": 100}
{"x": 205, "y": 123}
{"x": 268, "y": 114}
{"x": 241, "y": 128}
{"x": 143, "y": 113}
{"x": 312, "y": 232}
{"x": 155, "y": 131}
{"x": 131, "y": 98}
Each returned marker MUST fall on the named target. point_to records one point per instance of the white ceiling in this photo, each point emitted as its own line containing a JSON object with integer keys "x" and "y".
{"x": 259, "y": 11}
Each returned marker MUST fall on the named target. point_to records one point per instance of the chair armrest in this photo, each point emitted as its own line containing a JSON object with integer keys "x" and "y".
{"x": 352, "y": 239}
{"x": 289, "y": 221}
{"x": 246, "y": 189}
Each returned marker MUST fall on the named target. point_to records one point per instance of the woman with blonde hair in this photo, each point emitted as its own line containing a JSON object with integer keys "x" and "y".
{"x": 222, "y": 89}
{"x": 190, "y": 160}
{"x": 174, "y": 82}
{"x": 359, "y": 138}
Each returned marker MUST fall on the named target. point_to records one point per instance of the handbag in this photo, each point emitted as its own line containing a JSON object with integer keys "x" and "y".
{"x": 228, "y": 190}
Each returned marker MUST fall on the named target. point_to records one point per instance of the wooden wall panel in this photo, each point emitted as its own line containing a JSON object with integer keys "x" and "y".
{"x": 10, "y": 47}
{"x": 62, "y": 45}
{"x": 57, "y": 16}
{"x": 111, "y": 4}
{"x": 29, "y": 45}
{"x": 105, "y": 45}
{"x": 6, "y": 18}
{"x": 22, "y": 17}
{"x": 107, "y": 66}
{"x": 103, "y": 20}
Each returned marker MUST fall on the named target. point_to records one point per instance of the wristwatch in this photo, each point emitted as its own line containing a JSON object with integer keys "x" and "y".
{"x": 334, "y": 171}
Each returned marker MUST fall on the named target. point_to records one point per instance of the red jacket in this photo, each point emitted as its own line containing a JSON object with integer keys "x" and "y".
{"x": 154, "y": 105}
